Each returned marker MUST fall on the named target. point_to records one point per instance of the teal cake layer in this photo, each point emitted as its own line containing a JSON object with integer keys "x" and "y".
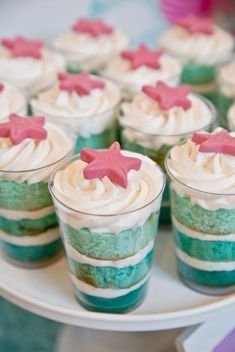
{"x": 24, "y": 196}
{"x": 108, "y": 245}
{"x": 219, "y": 222}
{"x": 206, "y": 278}
{"x": 32, "y": 253}
{"x": 111, "y": 277}
{"x": 28, "y": 227}
{"x": 194, "y": 73}
{"x": 119, "y": 304}
{"x": 97, "y": 141}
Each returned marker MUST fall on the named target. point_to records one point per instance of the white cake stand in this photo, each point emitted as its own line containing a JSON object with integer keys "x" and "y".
{"x": 169, "y": 304}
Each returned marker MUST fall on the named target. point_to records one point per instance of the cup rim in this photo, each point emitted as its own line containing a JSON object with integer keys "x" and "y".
{"x": 68, "y": 161}
{"x": 209, "y": 105}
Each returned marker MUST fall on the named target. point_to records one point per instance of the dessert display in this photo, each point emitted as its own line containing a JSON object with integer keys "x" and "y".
{"x": 201, "y": 46}
{"x": 83, "y": 104}
{"x": 90, "y": 44}
{"x": 28, "y": 65}
{"x": 108, "y": 205}
{"x": 202, "y": 177}
{"x": 160, "y": 117}
{"x": 11, "y": 100}
{"x": 29, "y": 150}
{"x": 132, "y": 69}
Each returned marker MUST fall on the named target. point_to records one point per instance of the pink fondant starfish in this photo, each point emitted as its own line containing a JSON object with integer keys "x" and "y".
{"x": 93, "y": 27}
{"x": 81, "y": 83}
{"x": 195, "y": 24}
{"x": 22, "y": 47}
{"x": 110, "y": 163}
{"x": 143, "y": 57}
{"x": 220, "y": 142}
{"x": 169, "y": 97}
{"x": 1, "y": 87}
{"x": 20, "y": 128}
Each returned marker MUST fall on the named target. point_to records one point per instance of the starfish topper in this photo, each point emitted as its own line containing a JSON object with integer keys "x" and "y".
{"x": 220, "y": 142}
{"x": 22, "y": 47}
{"x": 110, "y": 163}
{"x": 195, "y": 24}
{"x": 82, "y": 83}
{"x": 1, "y": 87}
{"x": 143, "y": 57}
{"x": 169, "y": 97}
{"x": 95, "y": 28}
{"x": 20, "y": 128}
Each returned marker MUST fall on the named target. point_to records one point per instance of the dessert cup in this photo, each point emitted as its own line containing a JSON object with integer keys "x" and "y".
{"x": 28, "y": 226}
{"x": 90, "y": 119}
{"x": 148, "y": 129}
{"x": 109, "y": 248}
{"x": 203, "y": 218}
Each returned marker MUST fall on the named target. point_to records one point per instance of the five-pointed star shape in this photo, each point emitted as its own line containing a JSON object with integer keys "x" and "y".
{"x": 143, "y": 57}
{"x": 22, "y": 47}
{"x": 1, "y": 87}
{"x": 20, "y": 128}
{"x": 168, "y": 97}
{"x": 110, "y": 163}
{"x": 93, "y": 27}
{"x": 220, "y": 142}
{"x": 81, "y": 83}
{"x": 195, "y": 24}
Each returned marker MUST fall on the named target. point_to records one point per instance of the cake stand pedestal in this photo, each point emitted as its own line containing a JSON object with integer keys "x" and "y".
{"x": 168, "y": 305}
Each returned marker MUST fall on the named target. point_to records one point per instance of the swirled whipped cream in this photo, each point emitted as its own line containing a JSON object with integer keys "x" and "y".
{"x": 226, "y": 79}
{"x": 120, "y": 70}
{"x": 198, "y": 47}
{"x": 231, "y": 117}
{"x": 11, "y": 101}
{"x": 29, "y": 74}
{"x": 101, "y": 196}
{"x": 205, "y": 172}
{"x": 31, "y": 154}
{"x": 87, "y": 52}
{"x": 145, "y": 123}
{"x": 86, "y": 114}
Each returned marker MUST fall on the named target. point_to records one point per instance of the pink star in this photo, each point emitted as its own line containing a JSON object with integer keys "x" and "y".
{"x": 20, "y": 128}
{"x": 1, "y": 87}
{"x": 110, "y": 163}
{"x": 81, "y": 83}
{"x": 195, "y": 24}
{"x": 93, "y": 27}
{"x": 22, "y": 47}
{"x": 220, "y": 142}
{"x": 143, "y": 57}
{"x": 169, "y": 97}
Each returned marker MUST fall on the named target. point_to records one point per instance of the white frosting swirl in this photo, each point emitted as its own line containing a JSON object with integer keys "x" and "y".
{"x": 205, "y": 172}
{"x": 101, "y": 196}
{"x": 226, "y": 79}
{"x": 231, "y": 117}
{"x": 29, "y": 74}
{"x": 152, "y": 127}
{"x": 198, "y": 47}
{"x": 11, "y": 101}
{"x": 86, "y": 52}
{"x": 32, "y": 154}
{"x": 120, "y": 70}
{"x": 84, "y": 114}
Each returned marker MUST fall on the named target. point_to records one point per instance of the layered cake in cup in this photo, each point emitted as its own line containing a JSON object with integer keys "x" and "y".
{"x": 90, "y": 44}
{"x": 132, "y": 69}
{"x": 11, "y": 100}
{"x": 201, "y": 46}
{"x": 158, "y": 118}
{"x": 108, "y": 203}
{"x": 29, "y": 150}
{"x": 28, "y": 65}
{"x": 85, "y": 105}
{"x": 202, "y": 178}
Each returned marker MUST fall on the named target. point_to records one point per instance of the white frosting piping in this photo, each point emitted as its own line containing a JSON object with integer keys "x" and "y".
{"x": 36, "y": 240}
{"x": 26, "y": 214}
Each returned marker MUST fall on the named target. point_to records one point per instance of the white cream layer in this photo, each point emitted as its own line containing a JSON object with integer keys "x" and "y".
{"x": 204, "y": 265}
{"x": 120, "y": 263}
{"x": 26, "y": 214}
{"x": 105, "y": 292}
{"x": 11, "y": 101}
{"x": 36, "y": 240}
